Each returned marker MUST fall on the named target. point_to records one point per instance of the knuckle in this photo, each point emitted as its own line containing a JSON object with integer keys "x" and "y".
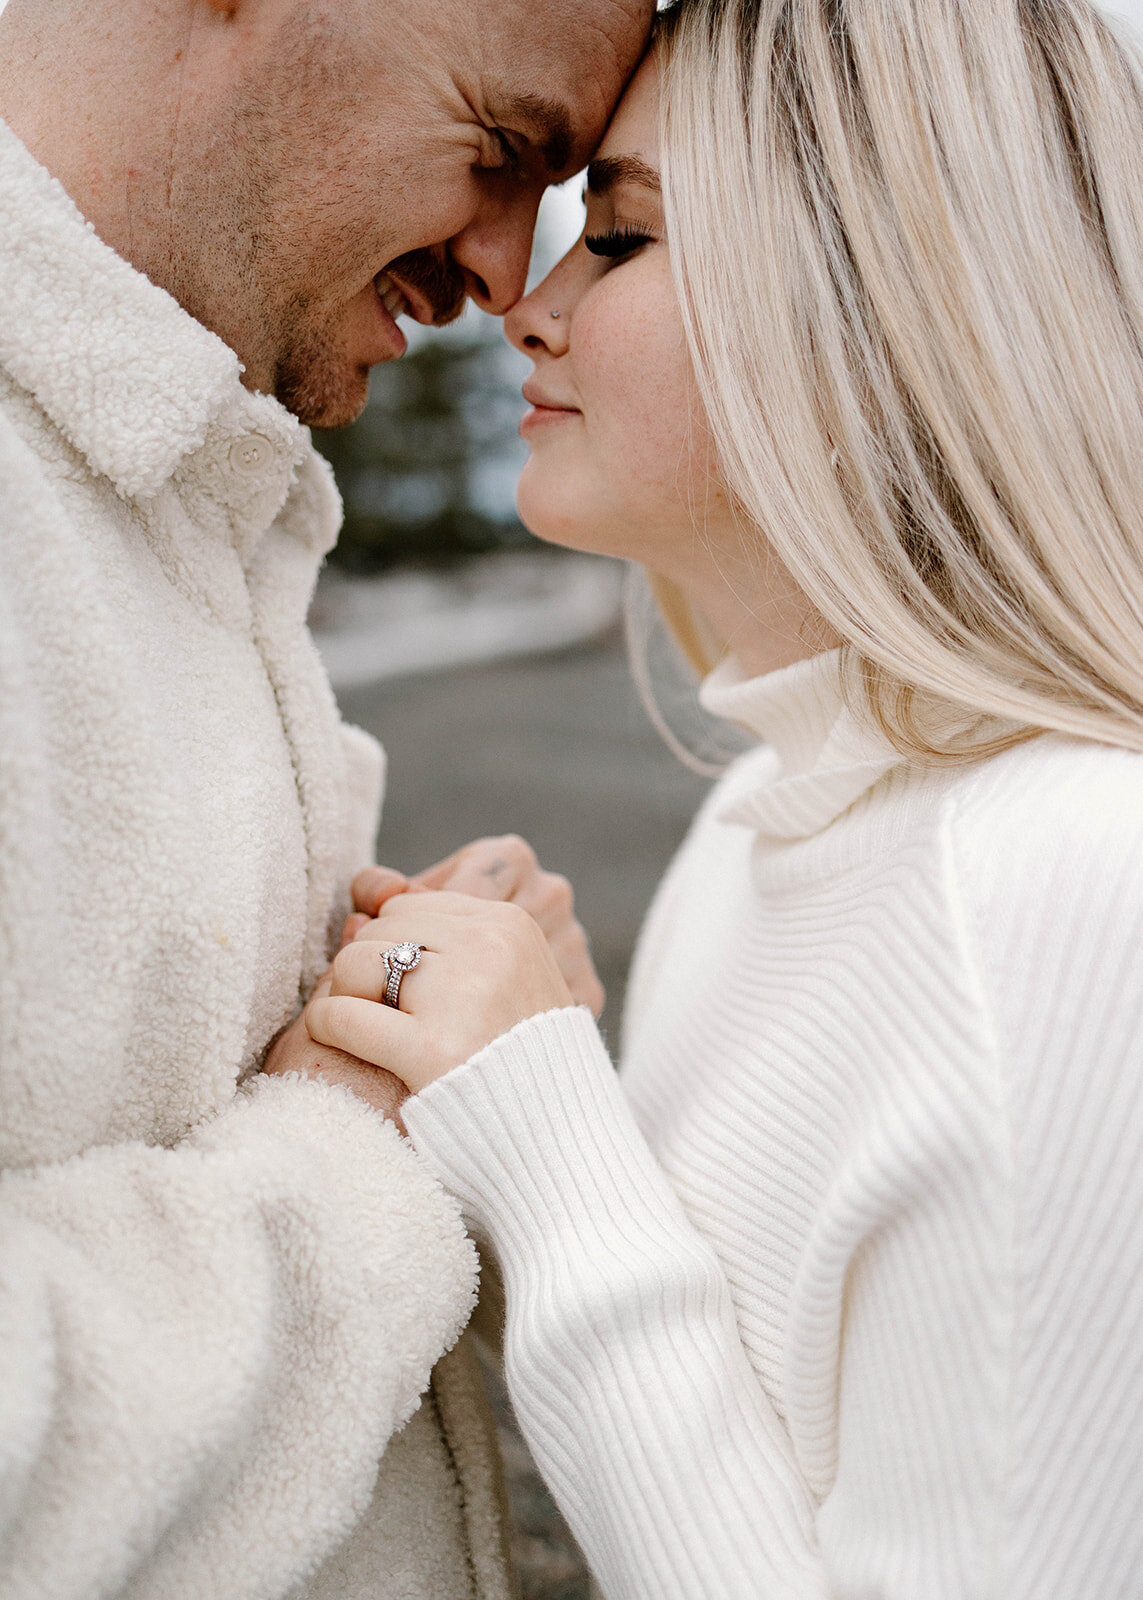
{"x": 559, "y": 891}
{"x": 513, "y": 918}
{"x": 517, "y": 849}
{"x": 508, "y": 938}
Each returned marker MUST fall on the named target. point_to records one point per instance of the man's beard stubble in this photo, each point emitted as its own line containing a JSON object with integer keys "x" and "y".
{"x": 273, "y": 271}
{"x": 317, "y": 381}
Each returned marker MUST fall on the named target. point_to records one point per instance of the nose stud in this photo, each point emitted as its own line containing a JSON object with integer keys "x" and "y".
{"x": 555, "y": 316}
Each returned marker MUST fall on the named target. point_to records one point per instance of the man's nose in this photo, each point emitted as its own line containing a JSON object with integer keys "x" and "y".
{"x": 494, "y": 251}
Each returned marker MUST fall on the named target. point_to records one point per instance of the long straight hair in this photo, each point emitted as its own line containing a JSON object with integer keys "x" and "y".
{"x": 908, "y": 245}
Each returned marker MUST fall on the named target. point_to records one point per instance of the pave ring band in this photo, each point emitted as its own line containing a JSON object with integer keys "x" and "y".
{"x": 401, "y": 959}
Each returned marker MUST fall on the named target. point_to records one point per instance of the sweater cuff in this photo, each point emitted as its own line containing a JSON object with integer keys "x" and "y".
{"x": 536, "y": 1139}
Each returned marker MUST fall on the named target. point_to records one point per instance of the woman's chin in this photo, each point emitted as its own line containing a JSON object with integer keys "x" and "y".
{"x": 553, "y": 513}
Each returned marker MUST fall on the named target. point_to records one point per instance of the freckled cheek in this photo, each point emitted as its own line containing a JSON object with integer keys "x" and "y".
{"x": 635, "y": 380}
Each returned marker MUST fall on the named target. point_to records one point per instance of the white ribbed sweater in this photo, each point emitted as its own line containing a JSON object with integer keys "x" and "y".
{"x": 842, "y": 1292}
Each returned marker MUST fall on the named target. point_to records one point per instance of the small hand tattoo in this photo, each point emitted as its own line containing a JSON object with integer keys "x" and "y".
{"x": 496, "y": 869}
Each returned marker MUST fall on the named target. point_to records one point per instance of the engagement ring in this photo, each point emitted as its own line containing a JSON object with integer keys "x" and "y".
{"x": 401, "y": 959}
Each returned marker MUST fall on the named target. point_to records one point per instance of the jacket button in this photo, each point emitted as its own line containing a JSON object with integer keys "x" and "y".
{"x": 251, "y": 454}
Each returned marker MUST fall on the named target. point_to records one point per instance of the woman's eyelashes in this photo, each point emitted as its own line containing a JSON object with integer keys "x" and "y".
{"x": 617, "y": 242}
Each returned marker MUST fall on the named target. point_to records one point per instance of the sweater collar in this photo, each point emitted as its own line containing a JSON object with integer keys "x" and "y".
{"x": 827, "y": 757}
{"x": 129, "y": 378}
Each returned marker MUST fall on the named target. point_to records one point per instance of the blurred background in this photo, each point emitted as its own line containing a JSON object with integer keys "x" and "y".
{"x": 493, "y": 670}
{"x": 491, "y": 666}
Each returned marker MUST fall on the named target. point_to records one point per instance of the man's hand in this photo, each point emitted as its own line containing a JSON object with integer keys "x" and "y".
{"x": 294, "y": 1051}
{"x": 501, "y": 869}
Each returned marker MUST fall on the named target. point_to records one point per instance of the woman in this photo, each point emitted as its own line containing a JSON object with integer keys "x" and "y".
{"x": 839, "y": 1294}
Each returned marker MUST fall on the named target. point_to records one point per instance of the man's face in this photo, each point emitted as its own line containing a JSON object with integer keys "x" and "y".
{"x": 348, "y": 160}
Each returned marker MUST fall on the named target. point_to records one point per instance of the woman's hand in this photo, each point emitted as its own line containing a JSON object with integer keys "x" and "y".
{"x": 486, "y": 966}
{"x": 501, "y": 869}
{"x": 295, "y": 1051}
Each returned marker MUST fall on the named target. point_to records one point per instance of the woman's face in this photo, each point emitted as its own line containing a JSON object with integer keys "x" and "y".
{"x": 621, "y": 459}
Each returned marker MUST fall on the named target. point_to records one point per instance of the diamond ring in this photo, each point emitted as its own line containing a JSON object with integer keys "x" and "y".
{"x": 401, "y": 959}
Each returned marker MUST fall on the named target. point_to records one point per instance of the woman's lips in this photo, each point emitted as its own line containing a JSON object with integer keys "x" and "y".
{"x": 544, "y": 412}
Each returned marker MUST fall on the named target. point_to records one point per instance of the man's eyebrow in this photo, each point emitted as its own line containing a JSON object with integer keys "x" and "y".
{"x": 606, "y": 171}
{"x": 548, "y": 123}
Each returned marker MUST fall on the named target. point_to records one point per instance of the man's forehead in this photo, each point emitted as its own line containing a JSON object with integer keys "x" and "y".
{"x": 586, "y": 29}
{"x": 566, "y": 69}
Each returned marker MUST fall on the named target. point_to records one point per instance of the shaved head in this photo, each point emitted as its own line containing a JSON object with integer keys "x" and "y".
{"x": 295, "y": 171}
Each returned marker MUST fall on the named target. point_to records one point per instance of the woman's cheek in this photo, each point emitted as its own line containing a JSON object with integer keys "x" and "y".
{"x": 637, "y": 386}
{"x": 621, "y": 479}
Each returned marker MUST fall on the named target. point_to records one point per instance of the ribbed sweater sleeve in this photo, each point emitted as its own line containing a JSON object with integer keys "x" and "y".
{"x": 621, "y": 1349}
{"x": 837, "y": 1291}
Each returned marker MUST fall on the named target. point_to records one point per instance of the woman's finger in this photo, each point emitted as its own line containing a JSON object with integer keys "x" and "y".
{"x": 370, "y": 1032}
{"x": 438, "y": 910}
{"x": 360, "y": 970}
{"x": 352, "y": 927}
{"x": 489, "y": 869}
{"x": 549, "y": 899}
{"x": 436, "y": 876}
{"x": 573, "y": 955}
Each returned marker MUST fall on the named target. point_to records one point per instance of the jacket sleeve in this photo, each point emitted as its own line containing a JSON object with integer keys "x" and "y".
{"x": 365, "y": 784}
{"x": 205, "y": 1349}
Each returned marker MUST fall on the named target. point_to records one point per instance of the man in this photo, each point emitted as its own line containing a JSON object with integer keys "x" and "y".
{"x": 222, "y": 1291}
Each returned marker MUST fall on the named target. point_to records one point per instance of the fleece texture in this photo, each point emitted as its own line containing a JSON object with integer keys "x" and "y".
{"x": 221, "y": 1296}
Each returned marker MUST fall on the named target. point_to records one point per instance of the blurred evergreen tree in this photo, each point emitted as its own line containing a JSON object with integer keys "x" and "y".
{"x": 428, "y": 471}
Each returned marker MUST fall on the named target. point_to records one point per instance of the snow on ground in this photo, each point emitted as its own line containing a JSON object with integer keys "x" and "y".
{"x": 515, "y": 603}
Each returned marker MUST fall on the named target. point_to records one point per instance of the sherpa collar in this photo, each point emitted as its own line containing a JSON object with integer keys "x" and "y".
{"x": 133, "y": 381}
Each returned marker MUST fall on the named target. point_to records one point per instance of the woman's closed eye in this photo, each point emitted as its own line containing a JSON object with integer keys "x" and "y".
{"x": 617, "y": 242}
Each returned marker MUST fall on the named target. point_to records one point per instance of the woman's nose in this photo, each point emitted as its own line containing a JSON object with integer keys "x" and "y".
{"x": 541, "y": 319}
{"x": 533, "y": 326}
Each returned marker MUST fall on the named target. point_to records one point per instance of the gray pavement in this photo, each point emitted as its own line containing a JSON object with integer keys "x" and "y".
{"x": 556, "y": 748}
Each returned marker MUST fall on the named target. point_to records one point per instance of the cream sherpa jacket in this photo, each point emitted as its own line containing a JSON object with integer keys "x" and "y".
{"x": 221, "y": 1296}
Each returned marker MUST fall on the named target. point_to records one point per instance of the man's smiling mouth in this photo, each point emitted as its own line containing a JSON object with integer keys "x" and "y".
{"x": 394, "y": 300}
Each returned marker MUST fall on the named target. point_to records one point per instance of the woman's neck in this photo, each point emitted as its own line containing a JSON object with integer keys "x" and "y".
{"x": 759, "y": 613}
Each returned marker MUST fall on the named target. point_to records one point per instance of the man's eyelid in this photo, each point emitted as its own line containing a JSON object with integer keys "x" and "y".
{"x": 514, "y": 146}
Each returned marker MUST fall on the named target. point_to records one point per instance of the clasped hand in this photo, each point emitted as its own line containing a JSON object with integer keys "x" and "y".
{"x": 501, "y": 944}
{"x": 486, "y": 966}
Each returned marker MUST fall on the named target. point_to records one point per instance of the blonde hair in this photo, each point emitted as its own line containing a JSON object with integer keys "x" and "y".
{"x": 908, "y": 244}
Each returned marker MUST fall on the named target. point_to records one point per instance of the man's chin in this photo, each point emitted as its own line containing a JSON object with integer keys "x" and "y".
{"x": 322, "y": 393}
